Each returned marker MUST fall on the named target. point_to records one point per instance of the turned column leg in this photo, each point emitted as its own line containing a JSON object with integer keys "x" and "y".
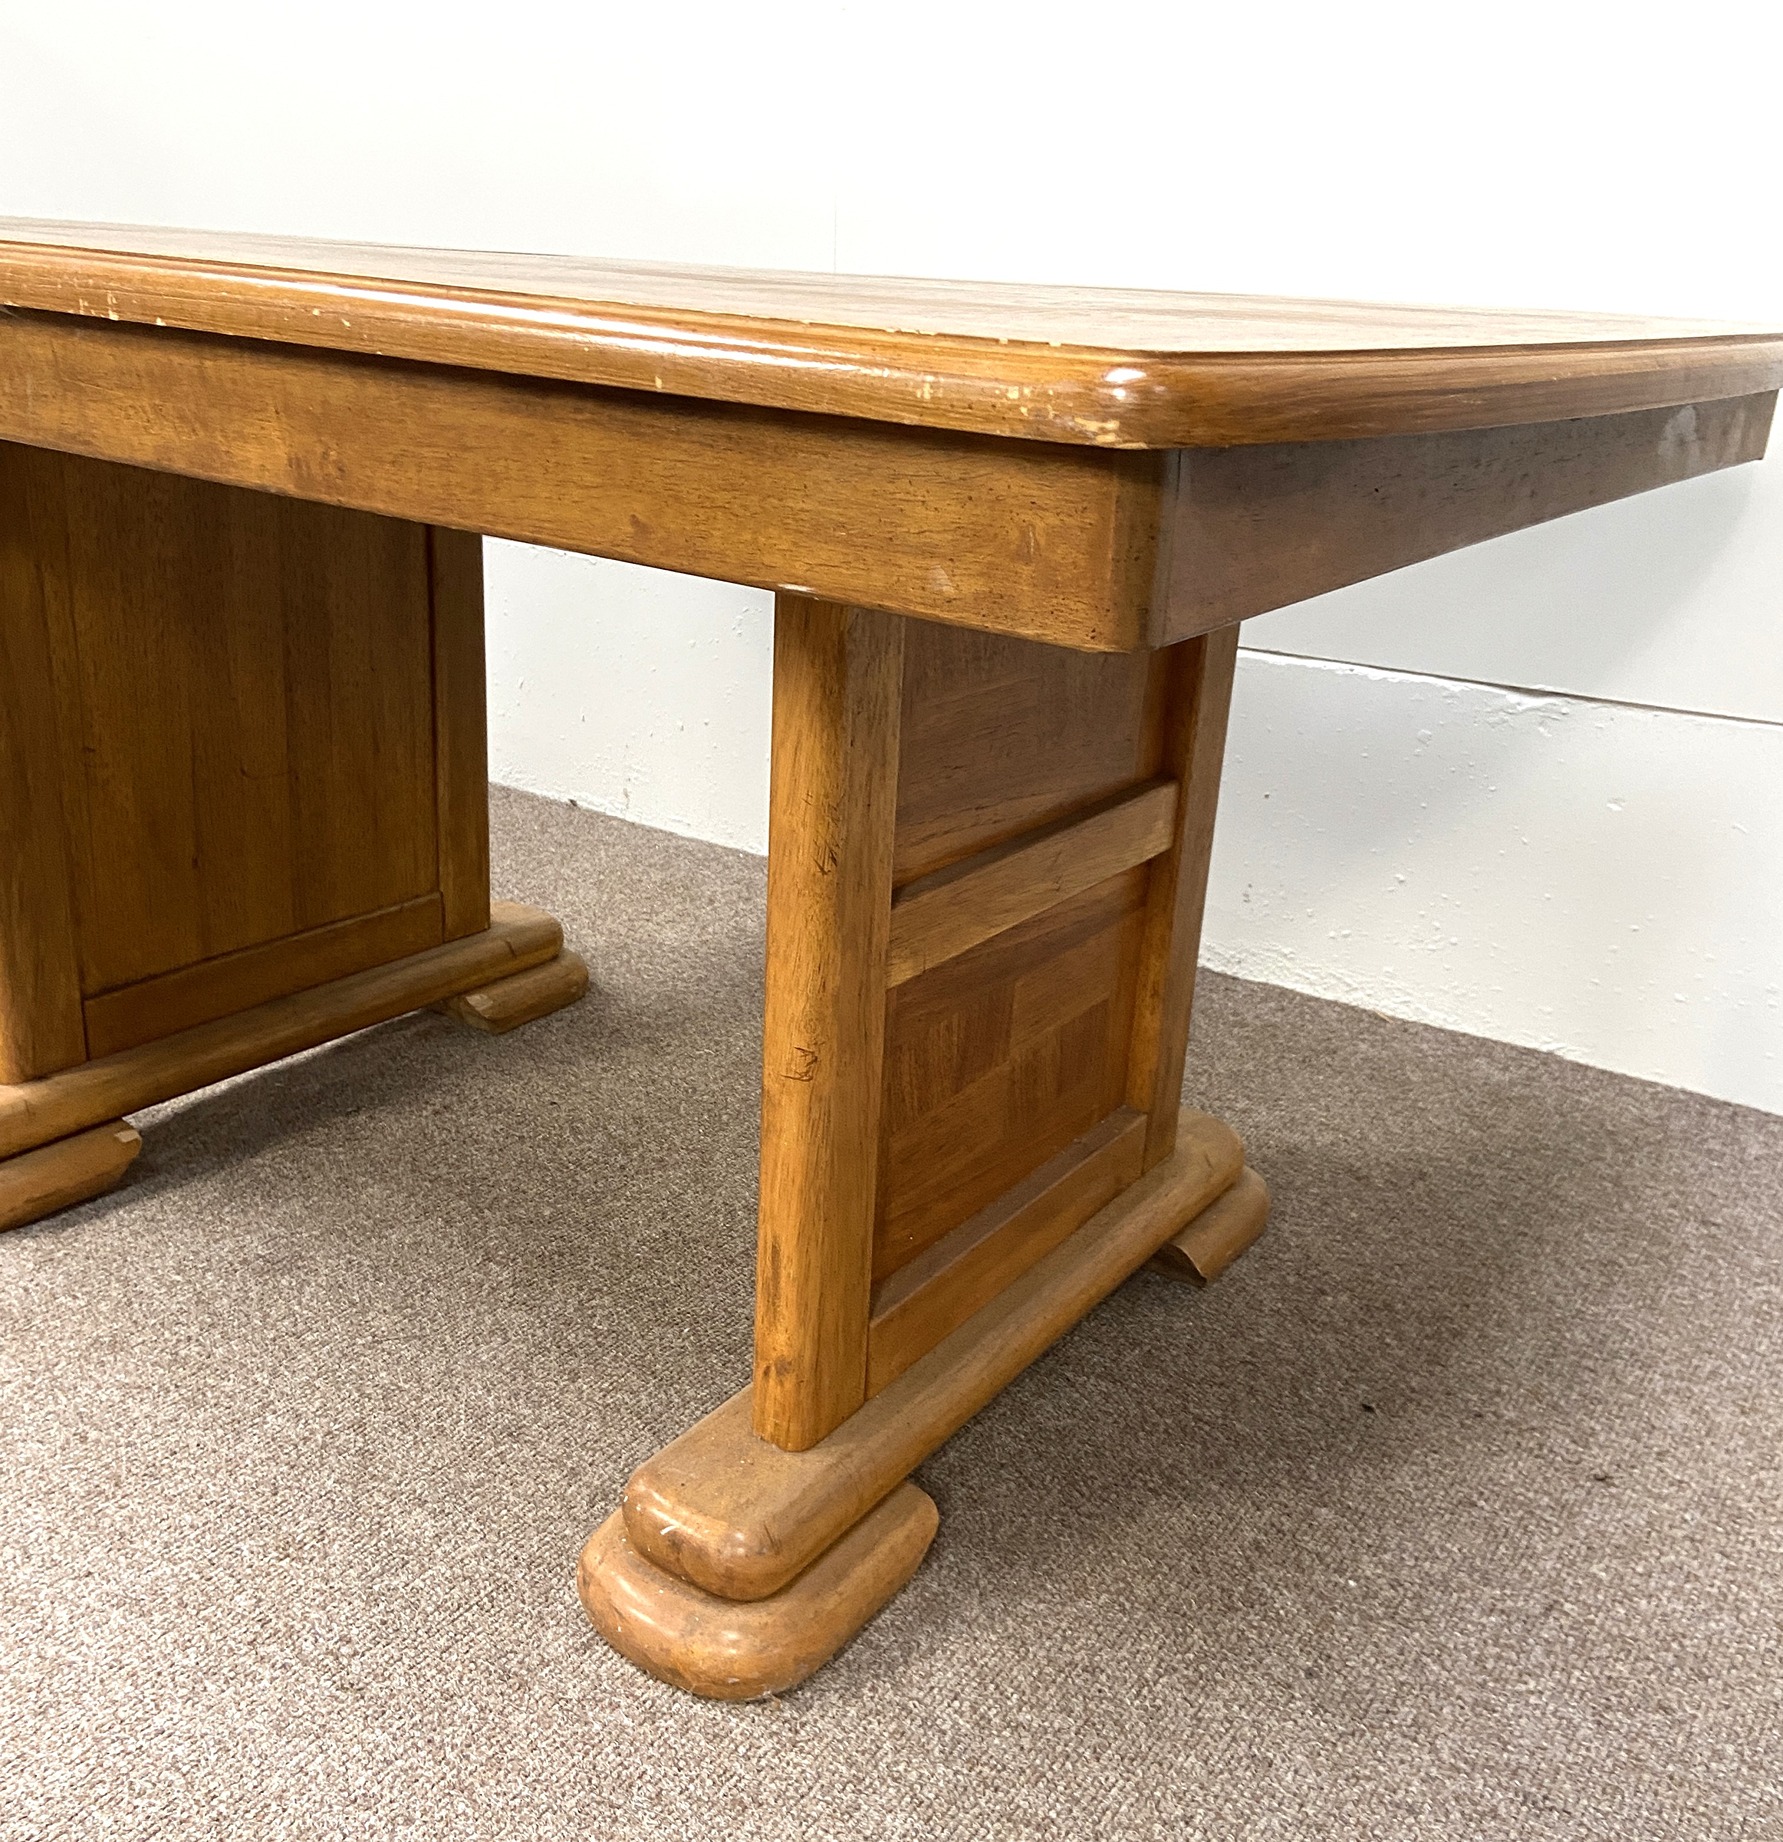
{"x": 987, "y": 865}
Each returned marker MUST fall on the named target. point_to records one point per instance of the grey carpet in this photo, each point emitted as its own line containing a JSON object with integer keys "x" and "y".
{"x": 1453, "y": 1511}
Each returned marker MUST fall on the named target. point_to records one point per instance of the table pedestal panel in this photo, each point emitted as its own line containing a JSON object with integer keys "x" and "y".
{"x": 987, "y": 863}
{"x": 242, "y": 786}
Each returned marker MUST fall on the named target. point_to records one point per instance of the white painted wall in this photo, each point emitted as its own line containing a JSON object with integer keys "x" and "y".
{"x": 1596, "y": 869}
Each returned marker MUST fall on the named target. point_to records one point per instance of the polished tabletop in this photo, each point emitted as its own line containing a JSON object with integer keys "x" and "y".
{"x": 1098, "y": 366}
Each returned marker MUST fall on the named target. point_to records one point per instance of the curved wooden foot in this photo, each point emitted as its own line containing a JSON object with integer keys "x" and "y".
{"x": 38, "y": 1183}
{"x": 736, "y": 1566}
{"x": 736, "y": 1651}
{"x": 1219, "y": 1234}
{"x": 739, "y": 1516}
{"x": 523, "y": 997}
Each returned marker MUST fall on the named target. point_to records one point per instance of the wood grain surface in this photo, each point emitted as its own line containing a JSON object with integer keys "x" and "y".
{"x": 1081, "y": 548}
{"x": 1250, "y": 529}
{"x": 33, "y": 1113}
{"x": 952, "y": 910}
{"x": 41, "y": 1024}
{"x": 732, "y": 1650}
{"x": 999, "y": 1058}
{"x": 1104, "y": 367}
{"x": 1001, "y": 736}
{"x": 210, "y": 988}
{"x": 838, "y": 676}
{"x": 1029, "y": 795}
{"x": 460, "y": 729}
{"x": 39, "y": 1183}
{"x": 243, "y": 693}
{"x": 1219, "y": 1234}
{"x": 1055, "y": 542}
{"x": 1198, "y": 701}
{"x": 522, "y": 997}
{"x": 741, "y": 1517}
{"x": 930, "y": 1296}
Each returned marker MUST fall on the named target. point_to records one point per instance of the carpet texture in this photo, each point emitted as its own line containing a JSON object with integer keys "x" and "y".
{"x": 1452, "y": 1511}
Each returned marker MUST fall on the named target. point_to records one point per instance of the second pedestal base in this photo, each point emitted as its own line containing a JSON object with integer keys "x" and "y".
{"x": 56, "y": 1148}
{"x": 732, "y": 1650}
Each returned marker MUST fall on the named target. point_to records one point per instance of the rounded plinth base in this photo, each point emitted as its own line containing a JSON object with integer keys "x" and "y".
{"x": 1219, "y": 1234}
{"x": 38, "y": 1183}
{"x": 523, "y": 997}
{"x": 731, "y": 1650}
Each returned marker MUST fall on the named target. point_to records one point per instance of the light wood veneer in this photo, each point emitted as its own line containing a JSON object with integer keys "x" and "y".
{"x": 1098, "y": 366}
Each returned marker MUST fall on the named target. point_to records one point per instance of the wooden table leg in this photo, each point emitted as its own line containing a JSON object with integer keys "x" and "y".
{"x": 987, "y": 868}
{"x": 243, "y": 798}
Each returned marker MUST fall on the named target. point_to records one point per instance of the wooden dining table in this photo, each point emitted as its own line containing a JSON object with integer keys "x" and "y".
{"x": 1011, "y": 533}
